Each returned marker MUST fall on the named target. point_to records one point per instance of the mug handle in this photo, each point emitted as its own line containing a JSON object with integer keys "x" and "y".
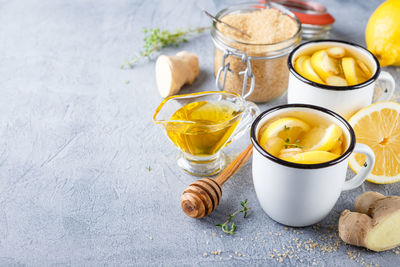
{"x": 389, "y": 85}
{"x": 249, "y": 115}
{"x": 360, "y": 177}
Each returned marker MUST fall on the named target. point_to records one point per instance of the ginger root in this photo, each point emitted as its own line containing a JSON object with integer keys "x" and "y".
{"x": 375, "y": 224}
{"x": 172, "y": 72}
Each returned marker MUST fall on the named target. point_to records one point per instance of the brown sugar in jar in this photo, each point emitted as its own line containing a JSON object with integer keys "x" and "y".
{"x": 255, "y": 66}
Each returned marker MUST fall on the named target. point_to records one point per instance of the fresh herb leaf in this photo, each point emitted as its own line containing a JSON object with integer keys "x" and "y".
{"x": 155, "y": 39}
{"x": 148, "y": 168}
{"x": 292, "y": 145}
{"x": 286, "y": 128}
{"x": 232, "y": 228}
{"x": 245, "y": 208}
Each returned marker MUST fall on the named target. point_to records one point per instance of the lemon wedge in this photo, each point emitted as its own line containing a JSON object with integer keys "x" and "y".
{"x": 323, "y": 139}
{"x": 337, "y": 148}
{"x": 298, "y": 65}
{"x": 323, "y": 65}
{"x": 288, "y": 129}
{"x": 309, "y": 73}
{"x": 312, "y": 157}
{"x": 349, "y": 69}
{"x": 336, "y": 81}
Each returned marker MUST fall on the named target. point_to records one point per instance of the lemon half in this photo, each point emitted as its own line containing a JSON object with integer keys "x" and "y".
{"x": 378, "y": 126}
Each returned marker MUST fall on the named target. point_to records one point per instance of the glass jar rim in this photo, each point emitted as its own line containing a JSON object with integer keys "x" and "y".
{"x": 272, "y": 50}
{"x": 216, "y": 33}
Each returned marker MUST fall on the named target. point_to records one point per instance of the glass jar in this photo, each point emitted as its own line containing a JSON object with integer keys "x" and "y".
{"x": 316, "y": 22}
{"x": 258, "y": 72}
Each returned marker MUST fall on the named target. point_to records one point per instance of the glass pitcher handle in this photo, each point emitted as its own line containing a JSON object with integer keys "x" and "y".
{"x": 252, "y": 111}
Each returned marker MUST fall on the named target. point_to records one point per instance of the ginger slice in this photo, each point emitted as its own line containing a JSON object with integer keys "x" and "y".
{"x": 289, "y": 152}
{"x": 367, "y": 73}
{"x": 172, "y": 72}
{"x": 336, "y": 52}
{"x": 364, "y": 201}
{"x": 377, "y": 228}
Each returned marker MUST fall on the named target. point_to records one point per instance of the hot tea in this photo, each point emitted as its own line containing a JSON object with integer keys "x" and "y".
{"x": 302, "y": 137}
{"x": 332, "y": 65}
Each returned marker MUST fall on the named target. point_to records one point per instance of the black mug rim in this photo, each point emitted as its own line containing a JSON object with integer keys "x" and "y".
{"x": 267, "y": 155}
{"x": 330, "y": 87}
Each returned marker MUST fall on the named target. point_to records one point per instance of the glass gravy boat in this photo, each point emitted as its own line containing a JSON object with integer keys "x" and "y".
{"x": 202, "y": 124}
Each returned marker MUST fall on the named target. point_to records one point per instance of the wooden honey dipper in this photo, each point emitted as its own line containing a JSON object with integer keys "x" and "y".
{"x": 202, "y": 197}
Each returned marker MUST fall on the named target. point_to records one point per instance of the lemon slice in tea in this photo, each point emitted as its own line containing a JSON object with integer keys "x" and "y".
{"x": 323, "y": 139}
{"x": 312, "y": 157}
{"x": 288, "y": 129}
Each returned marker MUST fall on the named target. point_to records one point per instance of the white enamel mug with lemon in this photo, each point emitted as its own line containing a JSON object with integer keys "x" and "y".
{"x": 303, "y": 194}
{"x": 344, "y": 100}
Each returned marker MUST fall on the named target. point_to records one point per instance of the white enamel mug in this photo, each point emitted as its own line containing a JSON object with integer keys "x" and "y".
{"x": 344, "y": 100}
{"x": 303, "y": 194}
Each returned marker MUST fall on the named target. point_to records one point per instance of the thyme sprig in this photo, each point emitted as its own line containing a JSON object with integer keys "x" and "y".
{"x": 155, "y": 39}
{"x": 292, "y": 145}
{"x": 225, "y": 226}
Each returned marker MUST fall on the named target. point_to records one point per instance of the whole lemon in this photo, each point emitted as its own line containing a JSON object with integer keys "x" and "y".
{"x": 383, "y": 33}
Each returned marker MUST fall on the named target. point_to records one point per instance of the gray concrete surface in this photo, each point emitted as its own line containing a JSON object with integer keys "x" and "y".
{"x": 77, "y": 141}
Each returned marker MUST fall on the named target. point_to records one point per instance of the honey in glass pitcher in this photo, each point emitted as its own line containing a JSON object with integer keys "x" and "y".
{"x": 209, "y": 126}
{"x": 202, "y": 124}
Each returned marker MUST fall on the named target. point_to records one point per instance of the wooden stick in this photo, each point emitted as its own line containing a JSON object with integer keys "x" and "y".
{"x": 236, "y": 164}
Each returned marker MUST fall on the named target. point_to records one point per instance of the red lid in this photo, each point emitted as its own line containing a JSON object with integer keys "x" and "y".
{"x": 308, "y": 12}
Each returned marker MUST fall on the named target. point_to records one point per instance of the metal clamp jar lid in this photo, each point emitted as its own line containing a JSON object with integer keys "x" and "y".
{"x": 253, "y": 58}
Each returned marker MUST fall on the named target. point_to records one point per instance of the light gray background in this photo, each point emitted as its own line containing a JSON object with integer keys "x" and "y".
{"x": 76, "y": 142}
